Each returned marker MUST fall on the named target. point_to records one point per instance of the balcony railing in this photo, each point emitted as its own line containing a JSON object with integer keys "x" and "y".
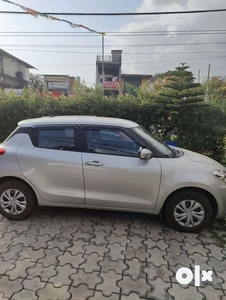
{"x": 108, "y": 58}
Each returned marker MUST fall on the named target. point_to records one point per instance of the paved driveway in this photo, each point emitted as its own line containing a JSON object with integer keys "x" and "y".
{"x": 96, "y": 255}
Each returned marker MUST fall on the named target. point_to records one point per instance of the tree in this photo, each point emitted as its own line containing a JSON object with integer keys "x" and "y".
{"x": 177, "y": 98}
{"x": 37, "y": 82}
{"x": 216, "y": 91}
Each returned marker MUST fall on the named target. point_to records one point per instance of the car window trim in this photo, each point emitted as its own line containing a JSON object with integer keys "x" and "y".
{"x": 106, "y": 127}
{"x": 35, "y": 130}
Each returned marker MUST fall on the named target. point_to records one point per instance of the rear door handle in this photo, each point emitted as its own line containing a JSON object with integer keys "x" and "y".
{"x": 94, "y": 163}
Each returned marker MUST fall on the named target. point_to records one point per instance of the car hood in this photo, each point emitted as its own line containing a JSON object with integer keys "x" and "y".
{"x": 196, "y": 158}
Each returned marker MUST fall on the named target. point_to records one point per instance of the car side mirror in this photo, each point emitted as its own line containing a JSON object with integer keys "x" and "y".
{"x": 145, "y": 154}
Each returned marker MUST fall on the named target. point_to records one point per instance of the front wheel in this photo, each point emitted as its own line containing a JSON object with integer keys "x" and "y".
{"x": 188, "y": 211}
{"x": 17, "y": 200}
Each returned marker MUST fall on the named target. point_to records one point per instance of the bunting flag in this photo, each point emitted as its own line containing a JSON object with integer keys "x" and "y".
{"x": 37, "y": 14}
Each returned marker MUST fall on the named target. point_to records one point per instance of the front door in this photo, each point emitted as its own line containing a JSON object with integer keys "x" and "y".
{"x": 114, "y": 175}
{"x": 53, "y": 165}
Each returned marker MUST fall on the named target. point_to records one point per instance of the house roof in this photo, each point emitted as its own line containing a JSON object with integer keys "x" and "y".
{"x": 136, "y": 75}
{"x": 4, "y": 53}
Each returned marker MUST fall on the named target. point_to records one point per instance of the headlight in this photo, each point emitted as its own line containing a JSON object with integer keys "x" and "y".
{"x": 220, "y": 174}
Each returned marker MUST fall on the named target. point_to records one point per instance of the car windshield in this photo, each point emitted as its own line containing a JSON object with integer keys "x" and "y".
{"x": 154, "y": 142}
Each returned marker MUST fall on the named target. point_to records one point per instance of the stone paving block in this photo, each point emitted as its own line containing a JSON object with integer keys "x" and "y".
{"x": 190, "y": 249}
{"x": 191, "y": 238}
{"x": 6, "y": 265}
{"x": 63, "y": 276}
{"x": 39, "y": 271}
{"x": 81, "y": 292}
{"x": 33, "y": 284}
{"x": 206, "y": 232}
{"x": 2, "y": 297}
{"x": 121, "y": 240}
{"x": 115, "y": 265}
{"x": 215, "y": 251}
{"x": 155, "y": 234}
{"x": 115, "y": 252}
{"x": 59, "y": 243}
{"x": 13, "y": 252}
{"x": 200, "y": 260}
{"x": 50, "y": 231}
{"x": 216, "y": 283}
{"x": 17, "y": 228}
{"x": 182, "y": 259}
{"x": 210, "y": 293}
{"x": 50, "y": 292}
{"x": 41, "y": 242}
{"x": 4, "y": 249}
{"x": 91, "y": 263}
{"x": 108, "y": 229}
{"x": 7, "y": 238}
{"x": 77, "y": 247}
{"x": 222, "y": 275}
{"x": 135, "y": 269}
{"x": 108, "y": 283}
{"x": 68, "y": 258}
{"x": 9, "y": 287}
{"x": 32, "y": 254}
{"x": 100, "y": 296}
{"x": 87, "y": 226}
{"x": 82, "y": 236}
{"x": 163, "y": 272}
{"x": 136, "y": 242}
{"x": 157, "y": 257}
{"x": 24, "y": 294}
{"x": 91, "y": 279}
{"x": 66, "y": 233}
{"x": 160, "y": 291}
{"x": 141, "y": 254}
{"x": 120, "y": 229}
{"x": 99, "y": 238}
{"x": 175, "y": 247}
{"x": 217, "y": 265}
{"x": 180, "y": 293}
{"x": 19, "y": 270}
{"x": 134, "y": 231}
{"x": 4, "y": 224}
{"x": 22, "y": 239}
{"x": 153, "y": 244}
{"x": 174, "y": 235}
{"x": 32, "y": 231}
{"x": 132, "y": 296}
{"x": 139, "y": 286}
{"x": 50, "y": 257}
{"x": 100, "y": 250}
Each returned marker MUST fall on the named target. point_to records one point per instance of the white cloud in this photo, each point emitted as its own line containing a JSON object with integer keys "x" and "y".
{"x": 162, "y": 61}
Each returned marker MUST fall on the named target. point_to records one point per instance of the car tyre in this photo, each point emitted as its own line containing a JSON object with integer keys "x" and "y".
{"x": 22, "y": 198}
{"x": 188, "y": 207}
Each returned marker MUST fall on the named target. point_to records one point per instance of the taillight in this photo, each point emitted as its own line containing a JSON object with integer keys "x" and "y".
{"x": 2, "y": 151}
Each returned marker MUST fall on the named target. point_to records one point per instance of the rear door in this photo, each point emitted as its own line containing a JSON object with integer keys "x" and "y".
{"x": 114, "y": 174}
{"x": 51, "y": 160}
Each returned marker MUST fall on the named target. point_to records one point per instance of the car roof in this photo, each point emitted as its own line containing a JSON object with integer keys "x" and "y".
{"x": 71, "y": 120}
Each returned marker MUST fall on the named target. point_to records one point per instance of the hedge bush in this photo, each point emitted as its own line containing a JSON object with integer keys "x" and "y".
{"x": 198, "y": 133}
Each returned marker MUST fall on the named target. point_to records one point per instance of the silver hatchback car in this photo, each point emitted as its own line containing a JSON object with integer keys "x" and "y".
{"x": 105, "y": 163}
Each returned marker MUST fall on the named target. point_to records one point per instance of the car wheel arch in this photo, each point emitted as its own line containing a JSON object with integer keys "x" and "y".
{"x": 204, "y": 192}
{"x": 13, "y": 178}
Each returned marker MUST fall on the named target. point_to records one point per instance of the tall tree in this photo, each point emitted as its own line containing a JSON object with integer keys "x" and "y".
{"x": 176, "y": 98}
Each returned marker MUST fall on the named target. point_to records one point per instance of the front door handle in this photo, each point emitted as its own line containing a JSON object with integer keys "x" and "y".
{"x": 94, "y": 163}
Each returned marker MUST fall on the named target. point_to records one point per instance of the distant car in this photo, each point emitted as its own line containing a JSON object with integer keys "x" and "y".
{"x": 106, "y": 163}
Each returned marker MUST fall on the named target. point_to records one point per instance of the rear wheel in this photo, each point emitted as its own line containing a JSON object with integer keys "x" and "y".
{"x": 188, "y": 211}
{"x": 17, "y": 200}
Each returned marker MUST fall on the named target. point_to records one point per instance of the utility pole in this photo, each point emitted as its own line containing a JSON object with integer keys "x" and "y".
{"x": 207, "y": 85}
{"x": 103, "y": 79}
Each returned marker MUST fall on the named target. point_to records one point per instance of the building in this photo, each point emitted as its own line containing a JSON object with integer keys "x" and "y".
{"x": 14, "y": 73}
{"x": 114, "y": 81}
{"x": 60, "y": 84}
{"x": 135, "y": 80}
{"x": 112, "y": 72}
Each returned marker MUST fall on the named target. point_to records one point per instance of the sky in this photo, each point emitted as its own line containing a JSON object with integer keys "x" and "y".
{"x": 76, "y": 55}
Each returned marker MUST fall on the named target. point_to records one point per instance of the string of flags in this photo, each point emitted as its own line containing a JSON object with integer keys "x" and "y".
{"x": 37, "y": 14}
